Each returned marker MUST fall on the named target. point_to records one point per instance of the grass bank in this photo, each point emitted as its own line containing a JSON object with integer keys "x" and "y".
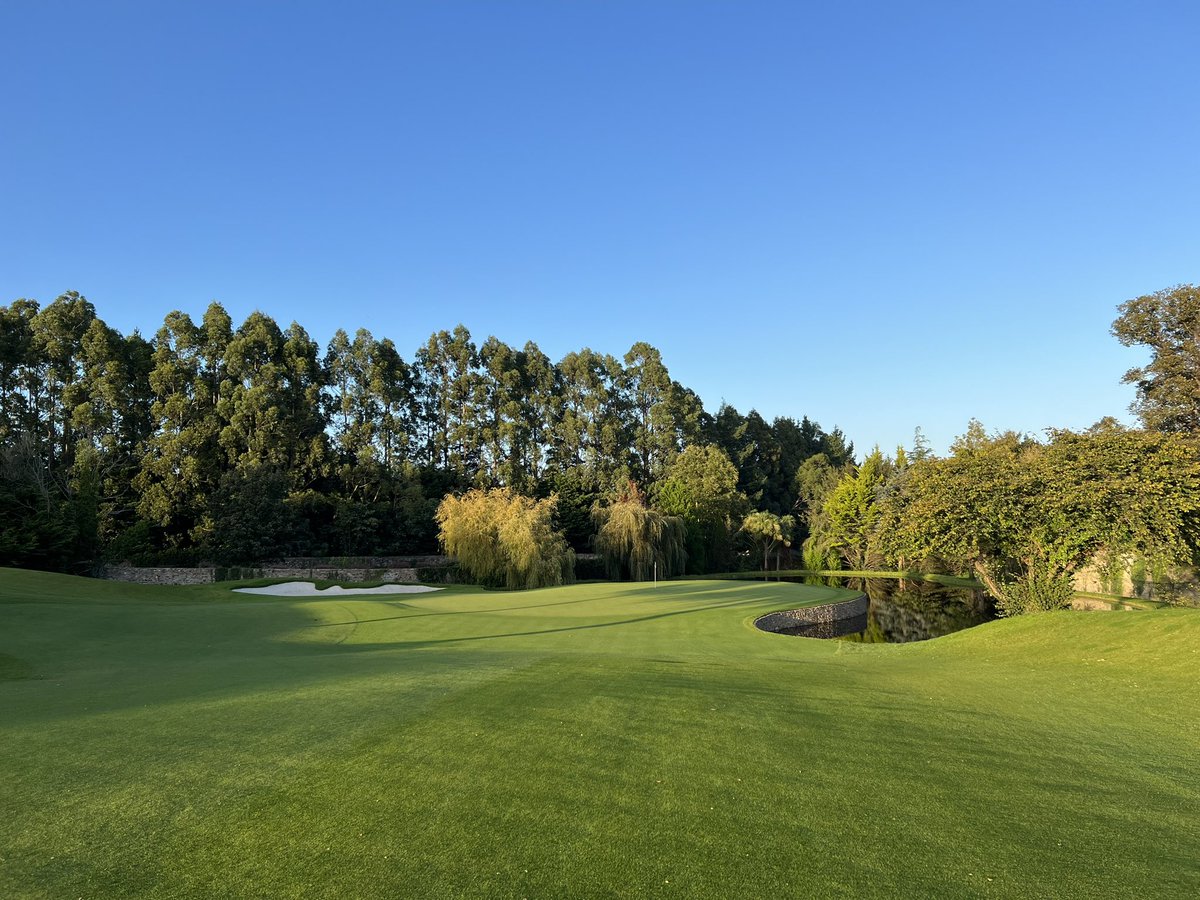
{"x": 596, "y": 740}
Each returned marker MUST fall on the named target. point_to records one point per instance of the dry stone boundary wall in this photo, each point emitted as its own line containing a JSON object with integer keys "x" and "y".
{"x": 159, "y": 574}
{"x": 392, "y": 569}
{"x": 398, "y": 570}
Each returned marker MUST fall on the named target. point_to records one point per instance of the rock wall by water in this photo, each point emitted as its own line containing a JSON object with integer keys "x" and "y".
{"x": 814, "y": 615}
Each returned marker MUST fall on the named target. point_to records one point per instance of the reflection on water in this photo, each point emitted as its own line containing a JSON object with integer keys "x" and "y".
{"x": 901, "y": 611}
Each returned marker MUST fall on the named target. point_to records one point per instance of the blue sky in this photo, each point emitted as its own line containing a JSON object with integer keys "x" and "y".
{"x": 879, "y": 215}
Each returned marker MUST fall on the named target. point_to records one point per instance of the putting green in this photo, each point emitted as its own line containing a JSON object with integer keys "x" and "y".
{"x": 596, "y": 740}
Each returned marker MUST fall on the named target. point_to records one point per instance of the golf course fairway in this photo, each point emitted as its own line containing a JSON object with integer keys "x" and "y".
{"x": 599, "y": 740}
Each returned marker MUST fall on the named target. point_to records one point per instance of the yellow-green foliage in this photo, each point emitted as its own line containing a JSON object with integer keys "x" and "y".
{"x": 633, "y": 538}
{"x": 500, "y": 537}
{"x": 852, "y": 511}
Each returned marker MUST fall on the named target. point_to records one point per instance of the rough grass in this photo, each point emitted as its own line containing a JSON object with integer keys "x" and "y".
{"x": 594, "y": 740}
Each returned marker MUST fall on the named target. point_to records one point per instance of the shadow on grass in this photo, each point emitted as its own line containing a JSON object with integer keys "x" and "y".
{"x": 451, "y": 612}
{"x": 418, "y": 644}
{"x": 676, "y": 592}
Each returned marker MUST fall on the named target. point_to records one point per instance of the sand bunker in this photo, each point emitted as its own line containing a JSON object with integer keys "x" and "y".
{"x": 308, "y": 589}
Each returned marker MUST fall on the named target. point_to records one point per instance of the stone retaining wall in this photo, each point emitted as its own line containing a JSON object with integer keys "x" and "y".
{"x": 320, "y": 573}
{"x": 347, "y": 563}
{"x": 814, "y": 615}
{"x": 211, "y": 574}
{"x": 159, "y": 574}
{"x": 394, "y": 569}
{"x": 1178, "y": 584}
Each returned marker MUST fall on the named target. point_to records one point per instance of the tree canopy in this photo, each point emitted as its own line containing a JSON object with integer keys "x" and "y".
{"x": 700, "y": 487}
{"x": 851, "y": 511}
{"x": 128, "y": 448}
{"x": 1168, "y": 387}
{"x": 1026, "y": 515}
{"x": 769, "y": 532}
{"x": 501, "y": 537}
{"x": 637, "y": 541}
{"x": 233, "y": 442}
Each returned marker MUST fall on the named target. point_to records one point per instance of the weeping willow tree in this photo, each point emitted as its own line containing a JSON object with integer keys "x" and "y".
{"x": 501, "y": 537}
{"x": 638, "y": 541}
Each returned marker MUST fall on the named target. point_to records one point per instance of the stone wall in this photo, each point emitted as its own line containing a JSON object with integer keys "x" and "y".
{"x": 814, "y": 615}
{"x": 391, "y": 569}
{"x": 1178, "y": 584}
{"x": 323, "y": 573}
{"x": 159, "y": 574}
{"x": 358, "y": 562}
{"x": 291, "y": 570}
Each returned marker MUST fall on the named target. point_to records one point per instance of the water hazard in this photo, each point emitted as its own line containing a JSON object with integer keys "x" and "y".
{"x": 900, "y": 611}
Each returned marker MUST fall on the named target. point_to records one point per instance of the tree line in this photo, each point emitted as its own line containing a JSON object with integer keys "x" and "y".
{"x": 241, "y": 444}
{"x": 1023, "y": 515}
{"x": 235, "y": 444}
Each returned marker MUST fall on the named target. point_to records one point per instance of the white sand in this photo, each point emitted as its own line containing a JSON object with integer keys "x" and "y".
{"x": 308, "y": 589}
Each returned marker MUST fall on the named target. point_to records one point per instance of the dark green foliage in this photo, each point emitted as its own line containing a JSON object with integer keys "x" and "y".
{"x": 591, "y": 430}
{"x": 1168, "y": 388}
{"x": 355, "y": 529}
{"x": 590, "y": 568}
{"x": 18, "y": 370}
{"x": 135, "y": 545}
{"x": 37, "y": 528}
{"x": 577, "y": 496}
{"x": 700, "y": 487}
{"x": 815, "y": 480}
{"x": 768, "y": 456}
{"x": 156, "y": 449}
{"x": 183, "y": 461}
{"x": 252, "y": 519}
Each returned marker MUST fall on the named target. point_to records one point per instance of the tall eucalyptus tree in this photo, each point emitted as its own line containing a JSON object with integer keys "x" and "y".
{"x": 450, "y": 387}
{"x": 17, "y": 370}
{"x": 181, "y": 466}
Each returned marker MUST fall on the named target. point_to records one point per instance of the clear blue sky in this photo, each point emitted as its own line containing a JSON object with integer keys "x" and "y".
{"x": 876, "y": 214}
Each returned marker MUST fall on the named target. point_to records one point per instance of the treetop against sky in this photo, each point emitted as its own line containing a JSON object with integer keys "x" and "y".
{"x": 878, "y": 215}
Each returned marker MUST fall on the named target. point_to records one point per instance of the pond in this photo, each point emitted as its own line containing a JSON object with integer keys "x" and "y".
{"x": 900, "y": 611}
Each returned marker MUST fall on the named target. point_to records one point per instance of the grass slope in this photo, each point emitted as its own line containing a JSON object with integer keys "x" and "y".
{"x": 597, "y": 740}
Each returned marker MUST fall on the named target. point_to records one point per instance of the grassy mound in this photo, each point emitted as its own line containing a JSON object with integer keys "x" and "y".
{"x": 594, "y": 740}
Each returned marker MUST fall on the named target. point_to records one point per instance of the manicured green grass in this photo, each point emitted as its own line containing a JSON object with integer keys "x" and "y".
{"x": 597, "y": 740}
